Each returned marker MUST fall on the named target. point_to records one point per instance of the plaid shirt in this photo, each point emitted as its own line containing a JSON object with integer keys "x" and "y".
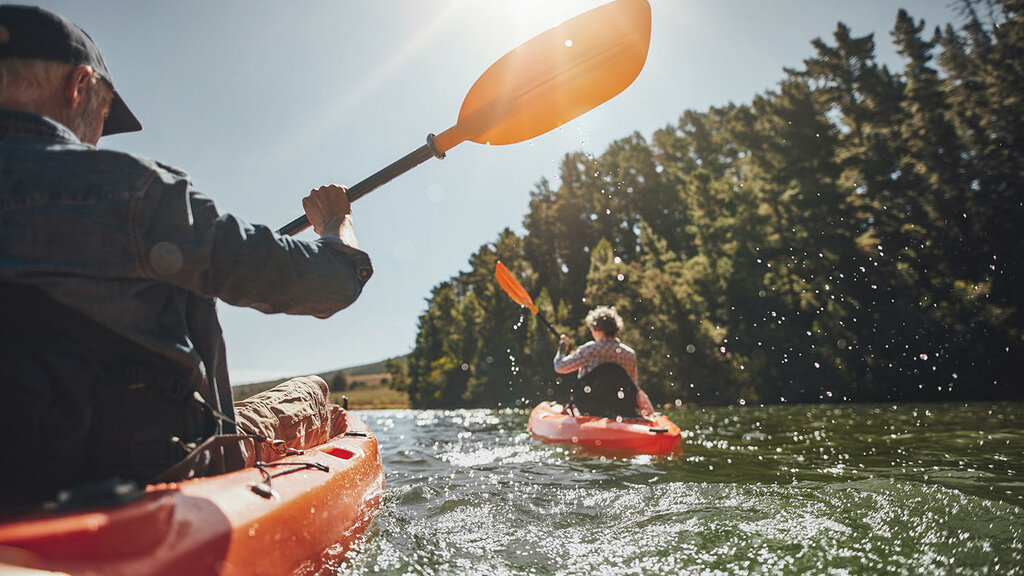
{"x": 594, "y": 353}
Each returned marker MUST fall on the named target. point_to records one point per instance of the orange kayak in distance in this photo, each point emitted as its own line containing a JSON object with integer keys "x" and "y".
{"x": 316, "y": 506}
{"x": 657, "y": 435}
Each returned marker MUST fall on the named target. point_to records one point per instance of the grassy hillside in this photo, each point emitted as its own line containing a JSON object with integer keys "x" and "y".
{"x": 367, "y": 386}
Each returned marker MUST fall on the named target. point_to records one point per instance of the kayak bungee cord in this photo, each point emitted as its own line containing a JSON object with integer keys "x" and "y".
{"x": 265, "y": 490}
{"x": 278, "y": 446}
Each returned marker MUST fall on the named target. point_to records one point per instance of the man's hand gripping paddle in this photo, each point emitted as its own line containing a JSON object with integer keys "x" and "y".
{"x": 544, "y": 83}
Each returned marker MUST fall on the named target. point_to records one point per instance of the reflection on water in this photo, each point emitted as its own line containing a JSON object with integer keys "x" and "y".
{"x": 929, "y": 489}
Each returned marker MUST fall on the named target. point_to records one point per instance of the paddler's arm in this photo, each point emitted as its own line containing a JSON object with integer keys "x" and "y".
{"x": 219, "y": 255}
{"x": 644, "y": 403}
{"x": 565, "y": 364}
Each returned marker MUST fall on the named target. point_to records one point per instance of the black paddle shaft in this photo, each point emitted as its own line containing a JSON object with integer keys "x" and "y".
{"x": 357, "y": 191}
{"x": 548, "y": 324}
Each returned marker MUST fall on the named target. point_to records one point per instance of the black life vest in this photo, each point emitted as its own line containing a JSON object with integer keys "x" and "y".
{"x": 606, "y": 391}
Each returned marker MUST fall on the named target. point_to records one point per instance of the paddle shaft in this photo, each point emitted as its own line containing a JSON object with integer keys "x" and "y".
{"x": 383, "y": 176}
{"x": 546, "y": 323}
{"x": 539, "y": 86}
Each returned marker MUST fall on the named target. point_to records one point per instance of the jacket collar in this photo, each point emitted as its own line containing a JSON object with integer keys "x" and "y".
{"x": 26, "y": 125}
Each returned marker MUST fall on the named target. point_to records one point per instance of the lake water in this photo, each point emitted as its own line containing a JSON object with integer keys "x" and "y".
{"x": 791, "y": 489}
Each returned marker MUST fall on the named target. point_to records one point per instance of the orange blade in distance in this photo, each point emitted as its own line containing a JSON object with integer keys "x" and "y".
{"x": 512, "y": 287}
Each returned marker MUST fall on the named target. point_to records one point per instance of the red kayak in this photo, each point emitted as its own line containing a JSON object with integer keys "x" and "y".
{"x": 657, "y": 435}
{"x": 303, "y": 521}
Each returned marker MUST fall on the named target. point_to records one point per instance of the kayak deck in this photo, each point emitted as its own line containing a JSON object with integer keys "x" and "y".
{"x": 658, "y": 435}
{"x": 321, "y": 502}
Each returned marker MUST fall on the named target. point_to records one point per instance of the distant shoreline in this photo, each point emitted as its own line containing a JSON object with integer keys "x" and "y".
{"x": 364, "y": 391}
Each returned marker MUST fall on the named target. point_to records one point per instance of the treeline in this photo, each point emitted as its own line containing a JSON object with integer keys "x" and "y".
{"x": 853, "y": 235}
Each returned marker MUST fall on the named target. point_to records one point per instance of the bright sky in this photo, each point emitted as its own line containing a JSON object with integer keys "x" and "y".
{"x": 261, "y": 101}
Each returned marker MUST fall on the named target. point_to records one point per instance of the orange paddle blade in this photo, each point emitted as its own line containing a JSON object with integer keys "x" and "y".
{"x": 555, "y": 77}
{"x": 512, "y": 287}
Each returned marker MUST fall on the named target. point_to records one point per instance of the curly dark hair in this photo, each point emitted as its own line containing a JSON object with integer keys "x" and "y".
{"x": 605, "y": 319}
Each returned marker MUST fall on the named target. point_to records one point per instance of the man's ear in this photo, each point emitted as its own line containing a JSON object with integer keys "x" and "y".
{"x": 75, "y": 87}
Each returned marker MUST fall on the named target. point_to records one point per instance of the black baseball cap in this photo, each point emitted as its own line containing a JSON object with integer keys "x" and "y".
{"x": 32, "y": 32}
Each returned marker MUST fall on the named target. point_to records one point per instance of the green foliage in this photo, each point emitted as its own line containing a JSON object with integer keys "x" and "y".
{"x": 849, "y": 235}
{"x": 339, "y": 383}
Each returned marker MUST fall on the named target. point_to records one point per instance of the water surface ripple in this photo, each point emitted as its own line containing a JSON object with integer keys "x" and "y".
{"x": 823, "y": 489}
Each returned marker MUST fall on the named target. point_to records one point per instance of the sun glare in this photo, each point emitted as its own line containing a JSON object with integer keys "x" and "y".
{"x": 521, "y": 20}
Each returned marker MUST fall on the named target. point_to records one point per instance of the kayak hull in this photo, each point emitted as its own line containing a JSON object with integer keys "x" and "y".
{"x": 321, "y": 503}
{"x": 658, "y": 435}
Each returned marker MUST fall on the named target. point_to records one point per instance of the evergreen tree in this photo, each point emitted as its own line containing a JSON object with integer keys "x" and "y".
{"x": 850, "y": 235}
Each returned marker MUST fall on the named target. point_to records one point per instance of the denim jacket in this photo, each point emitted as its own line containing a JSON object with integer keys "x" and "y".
{"x": 131, "y": 244}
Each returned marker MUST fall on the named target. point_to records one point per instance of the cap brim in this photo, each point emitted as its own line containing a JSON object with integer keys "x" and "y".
{"x": 120, "y": 119}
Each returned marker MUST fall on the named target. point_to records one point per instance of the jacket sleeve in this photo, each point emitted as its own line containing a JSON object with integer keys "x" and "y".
{"x": 185, "y": 240}
{"x": 565, "y": 364}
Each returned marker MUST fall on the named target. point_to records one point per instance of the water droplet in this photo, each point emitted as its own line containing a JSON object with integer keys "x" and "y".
{"x": 435, "y": 193}
{"x": 165, "y": 258}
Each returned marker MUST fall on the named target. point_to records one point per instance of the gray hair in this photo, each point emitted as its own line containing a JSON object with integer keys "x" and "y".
{"x": 28, "y": 84}
{"x": 24, "y": 80}
{"x": 605, "y": 319}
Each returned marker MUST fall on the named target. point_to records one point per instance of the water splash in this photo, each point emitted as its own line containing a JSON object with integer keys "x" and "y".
{"x": 779, "y": 489}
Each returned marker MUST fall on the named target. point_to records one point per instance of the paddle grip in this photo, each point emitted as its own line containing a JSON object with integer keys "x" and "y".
{"x": 383, "y": 176}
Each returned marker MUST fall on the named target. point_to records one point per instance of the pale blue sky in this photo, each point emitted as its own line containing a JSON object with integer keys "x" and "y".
{"x": 261, "y": 100}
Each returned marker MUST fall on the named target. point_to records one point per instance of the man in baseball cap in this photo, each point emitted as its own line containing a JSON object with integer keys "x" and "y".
{"x": 113, "y": 360}
{"x": 32, "y": 33}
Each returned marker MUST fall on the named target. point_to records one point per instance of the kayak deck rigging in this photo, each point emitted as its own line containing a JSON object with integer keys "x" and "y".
{"x": 304, "y": 515}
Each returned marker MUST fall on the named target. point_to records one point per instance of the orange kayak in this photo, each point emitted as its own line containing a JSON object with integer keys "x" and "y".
{"x": 655, "y": 436}
{"x": 316, "y": 506}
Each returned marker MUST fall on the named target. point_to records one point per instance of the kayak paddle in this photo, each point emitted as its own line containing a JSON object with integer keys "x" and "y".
{"x": 515, "y": 290}
{"x": 544, "y": 83}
